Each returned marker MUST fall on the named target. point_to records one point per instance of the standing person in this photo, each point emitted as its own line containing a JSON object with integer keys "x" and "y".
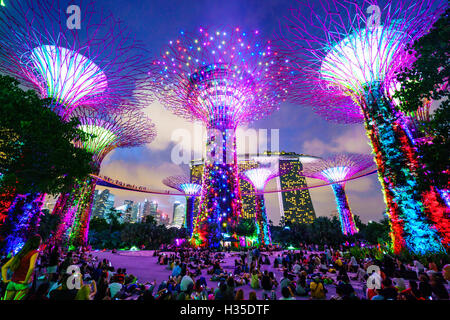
{"x": 22, "y": 265}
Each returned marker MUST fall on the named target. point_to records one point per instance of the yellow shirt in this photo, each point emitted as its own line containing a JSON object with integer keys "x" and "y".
{"x": 317, "y": 290}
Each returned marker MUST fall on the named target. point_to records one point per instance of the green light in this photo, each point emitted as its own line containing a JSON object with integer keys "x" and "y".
{"x": 103, "y": 137}
{"x": 2, "y": 3}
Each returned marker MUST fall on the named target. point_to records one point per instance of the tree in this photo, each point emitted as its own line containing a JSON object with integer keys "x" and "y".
{"x": 36, "y": 150}
{"x": 425, "y": 80}
{"x": 48, "y": 224}
{"x": 112, "y": 218}
{"x": 246, "y": 227}
{"x": 376, "y": 232}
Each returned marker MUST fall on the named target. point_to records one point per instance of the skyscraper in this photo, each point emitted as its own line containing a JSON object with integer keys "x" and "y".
{"x": 103, "y": 202}
{"x": 247, "y": 191}
{"x": 128, "y": 214}
{"x": 179, "y": 214}
{"x": 149, "y": 208}
{"x": 145, "y": 209}
{"x": 295, "y": 206}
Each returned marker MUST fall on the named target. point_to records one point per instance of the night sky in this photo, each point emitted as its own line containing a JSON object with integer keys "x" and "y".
{"x": 155, "y": 22}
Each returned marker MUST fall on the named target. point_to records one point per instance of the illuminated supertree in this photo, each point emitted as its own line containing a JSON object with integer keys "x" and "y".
{"x": 346, "y": 55}
{"x": 336, "y": 169}
{"x": 268, "y": 168}
{"x": 222, "y": 78}
{"x": 191, "y": 190}
{"x": 108, "y": 131}
{"x": 96, "y": 64}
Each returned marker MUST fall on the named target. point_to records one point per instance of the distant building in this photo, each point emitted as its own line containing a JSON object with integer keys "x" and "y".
{"x": 163, "y": 218}
{"x": 136, "y": 212}
{"x": 145, "y": 208}
{"x": 149, "y": 208}
{"x": 103, "y": 203}
{"x": 179, "y": 214}
{"x": 128, "y": 214}
{"x": 295, "y": 206}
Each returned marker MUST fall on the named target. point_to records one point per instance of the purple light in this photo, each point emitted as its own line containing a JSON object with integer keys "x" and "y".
{"x": 67, "y": 76}
{"x": 99, "y": 64}
{"x": 110, "y": 130}
{"x": 182, "y": 184}
{"x": 338, "y": 167}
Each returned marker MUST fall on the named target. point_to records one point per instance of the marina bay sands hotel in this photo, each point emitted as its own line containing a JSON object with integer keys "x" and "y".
{"x": 295, "y": 206}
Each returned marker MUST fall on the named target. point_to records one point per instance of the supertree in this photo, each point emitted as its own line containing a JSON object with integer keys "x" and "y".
{"x": 191, "y": 190}
{"x": 107, "y": 131}
{"x": 346, "y": 63}
{"x": 267, "y": 169}
{"x": 336, "y": 169}
{"x": 97, "y": 64}
{"x": 223, "y": 78}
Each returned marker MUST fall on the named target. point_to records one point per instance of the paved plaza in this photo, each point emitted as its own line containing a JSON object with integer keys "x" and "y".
{"x": 144, "y": 266}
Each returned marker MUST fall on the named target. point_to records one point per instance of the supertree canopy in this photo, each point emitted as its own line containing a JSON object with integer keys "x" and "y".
{"x": 221, "y": 77}
{"x": 336, "y": 169}
{"x": 346, "y": 57}
{"x": 268, "y": 168}
{"x": 99, "y": 63}
{"x": 191, "y": 190}
{"x": 108, "y": 131}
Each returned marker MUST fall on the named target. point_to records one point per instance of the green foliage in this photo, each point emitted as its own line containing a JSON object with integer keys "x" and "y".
{"x": 375, "y": 232}
{"x": 325, "y": 230}
{"x": 48, "y": 224}
{"x": 427, "y": 78}
{"x": 36, "y": 150}
{"x": 246, "y": 227}
{"x": 104, "y": 235}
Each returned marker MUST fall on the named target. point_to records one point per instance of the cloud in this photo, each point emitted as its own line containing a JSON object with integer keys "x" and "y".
{"x": 353, "y": 140}
{"x": 364, "y": 197}
{"x": 139, "y": 174}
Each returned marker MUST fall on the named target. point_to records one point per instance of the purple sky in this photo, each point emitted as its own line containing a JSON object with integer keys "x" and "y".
{"x": 155, "y": 22}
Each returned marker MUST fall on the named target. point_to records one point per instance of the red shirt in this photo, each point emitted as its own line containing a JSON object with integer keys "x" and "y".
{"x": 21, "y": 273}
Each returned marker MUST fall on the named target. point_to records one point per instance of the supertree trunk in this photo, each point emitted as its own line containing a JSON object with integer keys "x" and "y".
{"x": 220, "y": 202}
{"x": 61, "y": 204}
{"x": 419, "y": 227}
{"x": 23, "y": 220}
{"x": 66, "y": 208}
{"x": 80, "y": 228}
{"x": 189, "y": 214}
{"x": 348, "y": 226}
{"x": 262, "y": 224}
{"x": 6, "y": 200}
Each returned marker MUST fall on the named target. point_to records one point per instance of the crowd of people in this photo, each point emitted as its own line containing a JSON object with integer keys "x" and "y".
{"x": 40, "y": 272}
